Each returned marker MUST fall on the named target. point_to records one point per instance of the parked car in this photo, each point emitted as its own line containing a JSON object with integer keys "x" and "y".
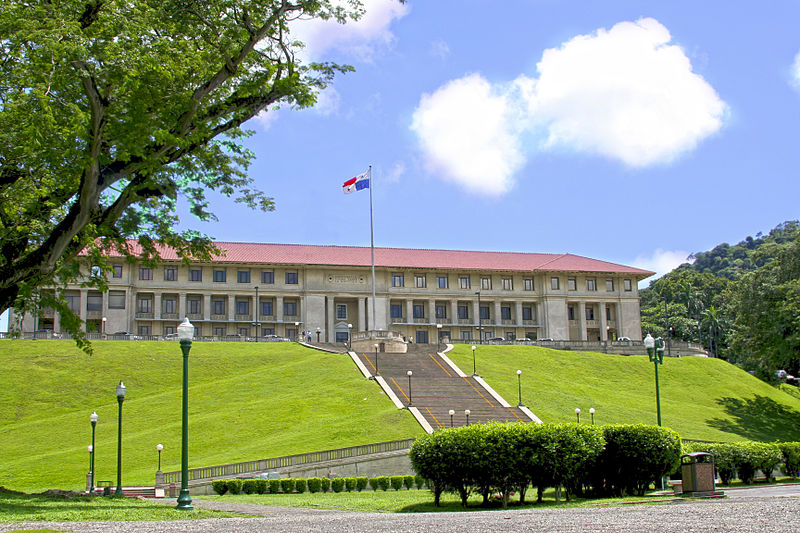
{"x": 546, "y": 339}
{"x": 127, "y": 334}
{"x": 623, "y": 338}
{"x": 522, "y": 339}
{"x": 171, "y": 337}
{"x": 496, "y": 339}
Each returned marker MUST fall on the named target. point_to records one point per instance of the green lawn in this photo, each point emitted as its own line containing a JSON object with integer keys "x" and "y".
{"x": 246, "y": 401}
{"x": 701, "y": 398}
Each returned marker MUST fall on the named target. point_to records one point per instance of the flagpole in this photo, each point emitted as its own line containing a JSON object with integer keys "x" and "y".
{"x": 372, "y": 247}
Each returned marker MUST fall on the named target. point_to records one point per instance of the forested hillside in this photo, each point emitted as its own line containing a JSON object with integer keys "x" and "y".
{"x": 742, "y": 302}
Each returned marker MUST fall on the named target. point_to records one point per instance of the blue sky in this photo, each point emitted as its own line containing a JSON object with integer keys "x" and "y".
{"x": 630, "y": 131}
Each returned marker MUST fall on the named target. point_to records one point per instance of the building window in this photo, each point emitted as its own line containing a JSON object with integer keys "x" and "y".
{"x": 169, "y": 306}
{"x": 341, "y": 336}
{"x": 116, "y": 271}
{"x": 195, "y": 274}
{"x": 194, "y": 306}
{"x": 508, "y": 284}
{"x": 145, "y": 273}
{"x": 268, "y": 277}
{"x": 443, "y": 282}
{"x": 116, "y": 299}
{"x": 243, "y": 276}
{"x": 527, "y": 313}
{"x": 572, "y": 284}
{"x": 95, "y": 272}
{"x": 527, "y": 284}
{"x": 341, "y": 311}
{"x": 610, "y": 285}
{"x": 73, "y": 302}
{"x": 590, "y": 312}
{"x": 219, "y": 332}
{"x": 486, "y": 284}
{"x": 291, "y": 278}
{"x": 266, "y": 308}
{"x": 397, "y": 280}
{"x": 463, "y": 282}
{"x": 571, "y": 313}
{"x": 422, "y": 337}
{"x": 144, "y": 305}
{"x": 420, "y": 282}
{"x": 267, "y": 331}
{"x": 591, "y": 284}
{"x": 242, "y": 307}
{"x": 144, "y": 330}
{"x": 396, "y": 311}
{"x": 244, "y": 332}
{"x": 219, "y": 276}
{"x": 218, "y": 307}
{"x": 554, "y": 283}
{"x": 170, "y": 274}
{"x": 169, "y": 330}
{"x": 419, "y": 311}
{"x": 484, "y": 312}
{"x": 608, "y": 313}
{"x": 466, "y": 335}
{"x": 463, "y": 312}
{"x": 290, "y": 308}
{"x": 628, "y": 286}
{"x": 94, "y": 302}
{"x": 441, "y": 311}
{"x": 505, "y": 313}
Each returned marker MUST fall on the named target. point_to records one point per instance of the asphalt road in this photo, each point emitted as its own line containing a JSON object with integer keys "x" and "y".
{"x": 761, "y": 510}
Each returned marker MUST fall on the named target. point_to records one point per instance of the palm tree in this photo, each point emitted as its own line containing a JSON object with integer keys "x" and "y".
{"x": 694, "y": 304}
{"x": 712, "y": 320}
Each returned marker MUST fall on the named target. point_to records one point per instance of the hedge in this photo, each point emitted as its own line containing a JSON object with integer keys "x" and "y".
{"x": 314, "y": 484}
{"x": 350, "y": 484}
{"x": 287, "y": 485}
{"x": 220, "y": 486}
{"x": 337, "y": 484}
{"x": 325, "y": 484}
{"x": 300, "y": 485}
{"x": 408, "y": 482}
{"x": 249, "y": 486}
{"x": 235, "y": 486}
{"x": 274, "y": 486}
{"x": 361, "y": 483}
{"x": 791, "y": 458}
{"x": 744, "y": 459}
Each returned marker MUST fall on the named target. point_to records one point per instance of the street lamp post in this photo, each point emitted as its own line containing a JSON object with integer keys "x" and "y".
{"x": 93, "y": 420}
{"x": 318, "y": 332}
{"x": 655, "y": 350}
{"x": 350, "y": 336}
{"x": 409, "y": 374}
{"x": 159, "y": 447}
{"x": 377, "y": 373}
{"x": 474, "y": 373}
{"x": 91, "y": 474}
{"x": 185, "y": 334}
{"x": 452, "y": 414}
{"x": 104, "y": 325}
{"x": 297, "y": 331}
{"x": 438, "y": 335}
{"x": 466, "y": 413}
{"x": 480, "y": 320}
{"x": 591, "y": 412}
{"x": 519, "y": 384}
{"x": 578, "y": 414}
{"x": 120, "y": 399}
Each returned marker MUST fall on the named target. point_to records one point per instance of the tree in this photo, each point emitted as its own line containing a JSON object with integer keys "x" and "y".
{"x": 112, "y": 111}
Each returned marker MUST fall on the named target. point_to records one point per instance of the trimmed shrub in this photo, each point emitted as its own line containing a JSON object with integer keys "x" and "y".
{"x": 419, "y": 481}
{"x": 325, "y": 484}
{"x": 235, "y": 486}
{"x": 249, "y": 486}
{"x": 287, "y": 485}
{"x": 791, "y": 458}
{"x": 220, "y": 486}
{"x": 350, "y": 484}
{"x": 261, "y": 486}
{"x": 274, "y": 486}
{"x": 314, "y": 484}
{"x": 337, "y": 484}
{"x": 373, "y": 483}
{"x": 384, "y": 482}
{"x": 361, "y": 483}
{"x": 300, "y": 485}
{"x": 396, "y": 482}
{"x": 408, "y": 482}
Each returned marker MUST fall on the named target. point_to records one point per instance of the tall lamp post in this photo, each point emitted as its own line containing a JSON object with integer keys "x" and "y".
{"x": 297, "y": 332}
{"x": 185, "y": 334}
{"x": 318, "y": 332}
{"x": 104, "y": 325}
{"x": 591, "y": 412}
{"x": 409, "y": 374}
{"x": 377, "y": 373}
{"x": 159, "y": 447}
{"x": 466, "y": 413}
{"x": 91, "y": 466}
{"x": 480, "y": 320}
{"x": 474, "y": 373}
{"x": 519, "y": 384}
{"x": 120, "y": 399}
{"x": 452, "y": 414}
{"x": 438, "y": 335}
{"x": 350, "y": 336}
{"x": 655, "y": 350}
{"x": 578, "y": 414}
{"x": 93, "y": 420}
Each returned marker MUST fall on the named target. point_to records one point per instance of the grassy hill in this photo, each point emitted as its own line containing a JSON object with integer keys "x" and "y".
{"x": 701, "y": 398}
{"x": 246, "y": 401}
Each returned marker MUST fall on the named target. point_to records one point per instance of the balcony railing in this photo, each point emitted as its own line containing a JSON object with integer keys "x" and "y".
{"x": 243, "y": 318}
{"x": 141, "y": 314}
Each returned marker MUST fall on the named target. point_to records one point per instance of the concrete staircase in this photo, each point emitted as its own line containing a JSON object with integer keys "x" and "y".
{"x": 437, "y": 387}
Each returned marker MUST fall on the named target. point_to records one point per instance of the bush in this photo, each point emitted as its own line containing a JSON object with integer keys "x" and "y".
{"x": 408, "y": 482}
{"x": 361, "y": 483}
{"x": 300, "y": 485}
{"x": 274, "y": 486}
{"x": 220, "y": 486}
{"x": 314, "y": 484}
{"x": 419, "y": 481}
{"x": 373, "y": 483}
{"x": 325, "y": 484}
{"x": 791, "y": 458}
{"x": 337, "y": 484}
{"x": 396, "y": 482}
{"x": 261, "y": 486}
{"x": 235, "y": 486}
{"x": 384, "y": 482}
{"x": 350, "y": 484}
{"x": 249, "y": 486}
{"x": 287, "y": 485}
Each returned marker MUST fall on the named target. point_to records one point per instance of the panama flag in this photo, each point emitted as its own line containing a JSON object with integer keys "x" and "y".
{"x": 356, "y": 184}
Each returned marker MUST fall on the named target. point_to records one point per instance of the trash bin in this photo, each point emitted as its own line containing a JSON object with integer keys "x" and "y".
{"x": 697, "y": 472}
{"x": 106, "y": 486}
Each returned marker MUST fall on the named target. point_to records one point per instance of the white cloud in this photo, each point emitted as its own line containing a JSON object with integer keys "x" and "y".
{"x": 440, "y": 49}
{"x": 623, "y": 93}
{"x": 395, "y": 173}
{"x": 266, "y": 118}
{"x": 661, "y": 262}
{"x": 327, "y": 102}
{"x": 467, "y": 131}
{"x": 795, "y": 72}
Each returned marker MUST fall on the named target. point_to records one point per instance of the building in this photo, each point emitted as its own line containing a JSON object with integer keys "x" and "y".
{"x": 283, "y": 290}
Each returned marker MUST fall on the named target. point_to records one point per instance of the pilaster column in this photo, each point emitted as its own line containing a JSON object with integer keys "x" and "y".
{"x": 453, "y": 312}
{"x": 476, "y": 313}
{"x": 329, "y": 333}
{"x": 603, "y": 324}
{"x": 157, "y": 305}
{"x": 231, "y": 307}
{"x": 410, "y": 311}
{"x": 278, "y": 308}
{"x": 362, "y": 314}
{"x": 206, "y": 307}
{"x": 432, "y": 312}
{"x": 582, "y": 320}
{"x": 182, "y": 305}
{"x": 84, "y": 303}
{"x": 497, "y": 317}
{"x": 518, "y": 313}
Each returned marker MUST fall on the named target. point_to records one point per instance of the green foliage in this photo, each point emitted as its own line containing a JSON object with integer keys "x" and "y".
{"x": 350, "y": 484}
{"x": 374, "y": 484}
{"x": 261, "y": 486}
{"x": 361, "y": 483}
{"x": 419, "y": 481}
{"x": 791, "y": 458}
{"x": 746, "y": 458}
{"x": 300, "y": 485}
{"x": 396, "y": 482}
{"x": 250, "y": 486}
{"x": 408, "y": 482}
{"x": 314, "y": 484}
{"x": 337, "y": 484}
{"x": 235, "y": 486}
{"x": 274, "y": 486}
{"x": 384, "y": 482}
{"x": 220, "y": 486}
{"x": 287, "y": 485}
{"x": 325, "y": 484}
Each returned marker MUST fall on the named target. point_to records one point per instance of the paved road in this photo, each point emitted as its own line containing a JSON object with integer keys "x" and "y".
{"x": 773, "y": 510}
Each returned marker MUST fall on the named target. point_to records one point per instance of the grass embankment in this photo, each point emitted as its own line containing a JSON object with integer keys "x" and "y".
{"x": 246, "y": 401}
{"x": 701, "y": 398}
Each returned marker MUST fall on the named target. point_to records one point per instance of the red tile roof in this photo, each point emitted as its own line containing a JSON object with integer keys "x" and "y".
{"x": 304, "y": 254}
